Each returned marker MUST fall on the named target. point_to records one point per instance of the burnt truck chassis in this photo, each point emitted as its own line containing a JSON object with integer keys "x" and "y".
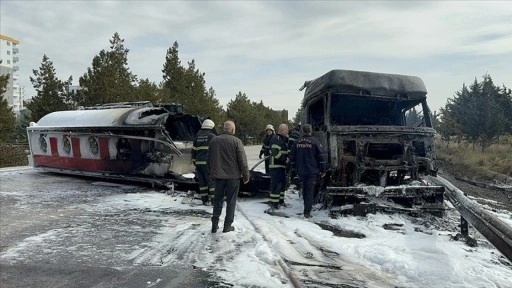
{"x": 375, "y": 160}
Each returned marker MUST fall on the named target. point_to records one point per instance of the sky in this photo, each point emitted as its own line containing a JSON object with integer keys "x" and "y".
{"x": 267, "y": 49}
{"x": 413, "y": 255}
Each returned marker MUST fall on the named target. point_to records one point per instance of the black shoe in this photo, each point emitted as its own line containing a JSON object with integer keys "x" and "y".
{"x": 228, "y": 229}
{"x": 307, "y": 215}
{"x": 215, "y": 226}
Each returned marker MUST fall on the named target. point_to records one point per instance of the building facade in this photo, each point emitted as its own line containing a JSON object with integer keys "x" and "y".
{"x": 9, "y": 57}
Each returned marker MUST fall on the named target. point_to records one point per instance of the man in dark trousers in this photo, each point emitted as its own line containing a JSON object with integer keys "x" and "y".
{"x": 265, "y": 148}
{"x": 308, "y": 160}
{"x": 227, "y": 163}
{"x": 199, "y": 157}
{"x": 277, "y": 165}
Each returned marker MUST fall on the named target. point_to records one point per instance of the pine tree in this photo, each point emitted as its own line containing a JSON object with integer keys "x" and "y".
{"x": 173, "y": 75}
{"x": 147, "y": 91}
{"x": 22, "y": 122}
{"x": 187, "y": 87}
{"x": 7, "y": 117}
{"x": 251, "y": 117}
{"x": 480, "y": 112}
{"x": 413, "y": 118}
{"x": 52, "y": 93}
{"x": 240, "y": 111}
{"x": 298, "y": 117}
{"x": 109, "y": 80}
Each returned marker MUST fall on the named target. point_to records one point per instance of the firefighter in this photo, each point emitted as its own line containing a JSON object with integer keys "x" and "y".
{"x": 291, "y": 175}
{"x": 199, "y": 157}
{"x": 306, "y": 157}
{"x": 294, "y": 135}
{"x": 277, "y": 166}
{"x": 265, "y": 148}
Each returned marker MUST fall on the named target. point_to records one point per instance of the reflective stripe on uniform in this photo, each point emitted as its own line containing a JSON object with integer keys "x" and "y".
{"x": 276, "y": 166}
{"x": 200, "y": 148}
{"x": 274, "y": 198}
{"x": 275, "y": 146}
{"x": 200, "y": 162}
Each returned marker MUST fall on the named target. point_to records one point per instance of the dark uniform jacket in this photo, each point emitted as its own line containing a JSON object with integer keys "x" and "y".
{"x": 200, "y": 146}
{"x": 307, "y": 156}
{"x": 292, "y": 137}
{"x": 227, "y": 159}
{"x": 265, "y": 148}
{"x": 279, "y": 151}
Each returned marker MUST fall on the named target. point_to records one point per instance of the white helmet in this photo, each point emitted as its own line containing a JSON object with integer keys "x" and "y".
{"x": 269, "y": 126}
{"x": 208, "y": 124}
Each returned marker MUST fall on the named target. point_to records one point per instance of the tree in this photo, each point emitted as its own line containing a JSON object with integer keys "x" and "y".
{"x": 173, "y": 74}
{"x": 413, "y": 118}
{"x": 298, "y": 117}
{"x": 147, "y": 91}
{"x": 242, "y": 113}
{"x": 51, "y": 92}
{"x": 504, "y": 101}
{"x": 448, "y": 126}
{"x": 22, "y": 122}
{"x": 109, "y": 80}
{"x": 251, "y": 117}
{"x": 480, "y": 112}
{"x": 4, "y": 81}
{"x": 7, "y": 117}
{"x": 187, "y": 87}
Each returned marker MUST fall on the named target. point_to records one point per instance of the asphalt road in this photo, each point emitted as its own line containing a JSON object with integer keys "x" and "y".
{"x": 92, "y": 251}
{"x": 52, "y": 234}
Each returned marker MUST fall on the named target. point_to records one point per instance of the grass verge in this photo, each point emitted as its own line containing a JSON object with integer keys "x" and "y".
{"x": 465, "y": 160}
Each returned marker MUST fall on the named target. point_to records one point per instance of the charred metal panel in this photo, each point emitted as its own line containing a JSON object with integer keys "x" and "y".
{"x": 367, "y": 83}
{"x": 361, "y": 118}
{"x": 117, "y": 140}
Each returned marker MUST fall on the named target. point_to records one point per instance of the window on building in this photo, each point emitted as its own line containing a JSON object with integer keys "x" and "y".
{"x": 8, "y": 61}
{"x": 8, "y": 43}
{"x": 8, "y": 52}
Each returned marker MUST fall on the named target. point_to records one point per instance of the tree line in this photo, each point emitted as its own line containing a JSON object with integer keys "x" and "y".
{"x": 479, "y": 113}
{"x": 109, "y": 80}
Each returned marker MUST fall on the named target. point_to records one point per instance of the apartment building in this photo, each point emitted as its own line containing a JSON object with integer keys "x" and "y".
{"x": 9, "y": 52}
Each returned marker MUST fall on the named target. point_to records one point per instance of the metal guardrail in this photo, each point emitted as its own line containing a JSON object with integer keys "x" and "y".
{"x": 493, "y": 229}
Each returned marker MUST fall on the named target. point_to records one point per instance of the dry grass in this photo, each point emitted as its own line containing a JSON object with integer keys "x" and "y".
{"x": 466, "y": 159}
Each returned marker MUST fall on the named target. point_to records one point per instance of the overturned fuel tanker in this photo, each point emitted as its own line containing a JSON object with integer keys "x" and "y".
{"x": 133, "y": 141}
{"x": 376, "y": 130}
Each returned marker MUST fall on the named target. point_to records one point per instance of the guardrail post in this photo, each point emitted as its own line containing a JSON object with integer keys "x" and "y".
{"x": 464, "y": 227}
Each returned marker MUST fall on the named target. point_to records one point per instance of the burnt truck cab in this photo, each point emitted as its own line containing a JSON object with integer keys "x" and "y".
{"x": 376, "y": 130}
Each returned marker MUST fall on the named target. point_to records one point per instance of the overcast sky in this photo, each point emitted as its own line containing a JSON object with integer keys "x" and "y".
{"x": 267, "y": 49}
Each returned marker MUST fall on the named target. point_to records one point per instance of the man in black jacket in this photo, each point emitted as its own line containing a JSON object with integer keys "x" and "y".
{"x": 265, "y": 148}
{"x": 308, "y": 160}
{"x": 199, "y": 157}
